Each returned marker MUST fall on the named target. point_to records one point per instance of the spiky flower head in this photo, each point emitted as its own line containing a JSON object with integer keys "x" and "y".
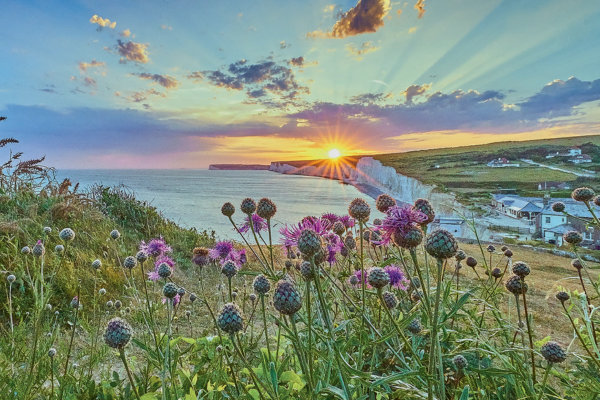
{"x": 288, "y": 264}
{"x": 349, "y": 242}
{"x": 338, "y": 228}
{"x": 397, "y": 278}
{"x": 309, "y": 242}
{"x": 228, "y": 209}
{"x": 141, "y": 256}
{"x": 11, "y": 278}
{"x": 259, "y": 224}
{"x": 52, "y": 352}
{"x": 558, "y": 207}
{"x": 47, "y": 230}
{"x": 306, "y": 270}
{"x": 562, "y": 296}
{"x": 286, "y": 298}
{"x": 26, "y": 250}
{"x": 38, "y": 249}
{"x": 416, "y": 295}
{"x": 508, "y": 253}
{"x": 102, "y": 292}
{"x": 426, "y": 208}
{"x": 75, "y": 302}
{"x": 344, "y": 252}
{"x": 66, "y": 235}
{"x": 59, "y": 248}
{"x": 460, "y": 255}
{"x": 520, "y": 269}
{"x": 164, "y": 270}
{"x": 377, "y": 222}
{"x": 414, "y": 327}
{"x": 109, "y": 304}
{"x": 390, "y": 300}
{"x": 193, "y": 297}
{"x": 491, "y": 249}
{"x": 231, "y": 319}
{"x": 584, "y": 194}
{"x": 118, "y": 333}
{"x": 359, "y": 210}
{"x": 118, "y": 304}
{"x": 515, "y": 286}
{"x": 248, "y": 206}
{"x": 597, "y": 201}
{"x": 266, "y": 208}
{"x": 229, "y": 269}
{"x": 460, "y": 362}
{"x": 155, "y": 247}
{"x": 170, "y": 290}
{"x": 504, "y": 248}
{"x": 384, "y": 202}
{"x": 471, "y": 262}
{"x": 415, "y": 283}
{"x": 130, "y": 262}
{"x": 577, "y": 264}
{"x": 366, "y": 235}
{"x": 377, "y": 277}
{"x": 553, "y": 352}
{"x": 573, "y": 237}
{"x": 441, "y": 244}
{"x": 181, "y": 292}
{"x": 408, "y": 238}
{"x": 353, "y": 280}
{"x": 115, "y": 234}
{"x": 261, "y": 284}
{"x": 497, "y": 273}
{"x": 96, "y": 264}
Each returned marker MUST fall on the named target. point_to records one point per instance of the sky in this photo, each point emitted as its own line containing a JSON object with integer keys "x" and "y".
{"x": 185, "y": 84}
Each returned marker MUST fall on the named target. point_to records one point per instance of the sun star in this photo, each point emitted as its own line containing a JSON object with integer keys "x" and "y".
{"x": 334, "y": 153}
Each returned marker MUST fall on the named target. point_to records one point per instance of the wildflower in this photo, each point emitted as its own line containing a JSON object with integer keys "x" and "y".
{"x": 491, "y": 249}
{"x": 130, "y": 262}
{"x": 59, "y": 248}
{"x": 515, "y": 286}
{"x": 397, "y": 278}
{"x": 349, "y": 242}
{"x": 26, "y": 250}
{"x": 309, "y": 243}
{"x": 347, "y": 221}
{"x": 520, "y": 269}
{"x": 359, "y": 210}
{"x": 377, "y": 221}
{"x": 163, "y": 271}
{"x": 471, "y": 262}
{"x": 115, "y": 234}
{"x": 353, "y": 280}
{"x": 266, "y": 208}
{"x": 258, "y": 223}
{"x": 384, "y": 202}
{"x": 47, "y": 230}
{"x": 390, "y": 300}
{"x": 399, "y": 221}
{"x": 562, "y": 296}
{"x": 118, "y": 333}
{"x": 96, "y": 264}
{"x": 67, "y": 235}
{"x": 228, "y": 209}
{"x": 229, "y": 269}
{"x": 286, "y": 298}
{"x": 291, "y": 234}
{"x": 338, "y": 228}
{"x": 39, "y": 249}
{"x": 248, "y": 206}
{"x": 409, "y": 238}
{"x": 306, "y": 270}
{"x": 571, "y": 237}
{"x": 508, "y": 253}
{"x": 558, "y": 207}
{"x": 460, "y": 255}
{"x": 441, "y": 244}
{"x": 261, "y": 284}
{"x": 155, "y": 247}
{"x": 200, "y": 256}
{"x": 583, "y": 194}
{"x": 577, "y": 264}
{"x": 497, "y": 273}
{"x": 231, "y": 319}
{"x": 414, "y": 327}
{"x": 170, "y": 290}
{"x": 221, "y": 250}
{"x": 426, "y": 208}
{"x": 141, "y": 256}
{"x": 460, "y": 362}
{"x": 553, "y": 353}
{"x": 377, "y": 277}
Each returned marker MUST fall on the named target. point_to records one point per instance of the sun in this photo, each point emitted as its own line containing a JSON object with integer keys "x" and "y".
{"x": 334, "y": 153}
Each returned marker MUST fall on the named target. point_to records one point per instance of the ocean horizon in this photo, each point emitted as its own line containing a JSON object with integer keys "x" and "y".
{"x": 193, "y": 198}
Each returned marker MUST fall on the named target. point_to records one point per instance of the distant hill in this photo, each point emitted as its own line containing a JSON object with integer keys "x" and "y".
{"x": 238, "y": 167}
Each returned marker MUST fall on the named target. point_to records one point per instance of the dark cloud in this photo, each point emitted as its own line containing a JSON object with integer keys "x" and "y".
{"x": 91, "y": 82}
{"x": 366, "y": 17}
{"x": 132, "y": 51}
{"x": 196, "y": 76}
{"x": 165, "y": 81}
{"x": 49, "y": 90}
{"x": 414, "y": 90}
{"x": 263, "y": 79}
{"x": 368, "y": 98}
{"x": 297, "y": 62}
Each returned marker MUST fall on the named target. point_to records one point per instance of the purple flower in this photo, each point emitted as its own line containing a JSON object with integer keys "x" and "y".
{"x": 238, "y": 257}
{"x": 176, "y": 300}
{"x": 358, "y": 275}
{"x": 260, "y": 224}
{"x": 347, "y": 220}
{"x": 330, "y": 217}
{"x": 334, "y": 245}
{"x": 221, "y": 250}
{"x": 153, "y": 276}
{"x": 399, "y": 218}
{"x": 397, "y": 278}
{"x": 164, "y": 259}
{"x": 291, "y": 234}
{"x": 155, "y": 247}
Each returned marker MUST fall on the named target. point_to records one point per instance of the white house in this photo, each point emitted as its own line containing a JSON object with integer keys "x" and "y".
{"x": 501, "y": 162}
{"x": 581, "y": 158}
{"x": 518, "y": 207}
{"x": 573, "y": 151}
{"x": 552, "y": 225}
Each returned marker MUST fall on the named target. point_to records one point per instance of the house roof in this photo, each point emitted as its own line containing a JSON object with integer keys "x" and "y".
{"x": 572, "y": 207}
{"x": 561, "y": 229}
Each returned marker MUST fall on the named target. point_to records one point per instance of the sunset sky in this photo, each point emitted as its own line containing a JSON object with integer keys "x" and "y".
{"x": 183, "y": 84}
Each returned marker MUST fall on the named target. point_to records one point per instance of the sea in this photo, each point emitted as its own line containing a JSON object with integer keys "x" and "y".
{"x": 193, "y": 198}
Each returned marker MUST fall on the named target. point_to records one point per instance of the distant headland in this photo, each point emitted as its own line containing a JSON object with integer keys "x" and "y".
{"x": 238, "y": 167}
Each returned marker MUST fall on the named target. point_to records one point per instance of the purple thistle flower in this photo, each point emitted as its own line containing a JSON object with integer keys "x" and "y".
{"x": 399, "y": 218}
{"x": 291, "y": 234}
{"x": 155, "y": 247}
{"x": 153, "y": 276}
{"x": 260, "y": 224}
{"x": 361, "y": 280}
{"x": 238, "y": 257}
{"x": 397, "y": 278}
{"x": 164, "y": 259}
{"x": 221, "y": 250}
{"x": 347, "y": 220}
{"x": 176, "y": 300}
{"x": 333, "y": 218}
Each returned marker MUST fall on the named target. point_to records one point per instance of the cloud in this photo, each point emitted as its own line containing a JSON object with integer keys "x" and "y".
{"x": 420, "y": 7}
{"x": 358, "y": 52}
{"x": 125, "y": 33}
{"x": 301, "y": 62}
{"x": 165, "y": 81}
{"x": 196, "y": 76}
{"x": 73, "y": 78}
{"x": 83, "y": 66}
{"x": 329, "y": 8}
{"x": 260, "y": 80}
{"x": 283, "y": 45}
{"x": 49, "y": 90}
{"x": 412, "y": 30}
{"x": 366, "y": 17}
{"x": 132, "y": 51}
{"x": 399, "y": 12}
{"x": 369, "y": 98}
{"x": 413, "y": 91}
{"x": 166, "y": 27}
{"x": 138, "y": 97}
{"x": 102, "y": 23}
{"x": 91, "y": 82}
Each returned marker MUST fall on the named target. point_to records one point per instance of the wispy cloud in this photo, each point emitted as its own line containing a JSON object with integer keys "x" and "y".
{"x": 83, "y": 66}
{"x": 358, "y": 52}
{"x": 166, "y": 81}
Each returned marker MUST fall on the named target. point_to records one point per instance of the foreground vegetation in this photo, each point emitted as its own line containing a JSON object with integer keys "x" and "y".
{"x": 105, "y": 299}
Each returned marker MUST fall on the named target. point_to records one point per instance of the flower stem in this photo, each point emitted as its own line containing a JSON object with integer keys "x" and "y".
{"x": 528, "y": 330}
{"x": 544, "y": 381}
{"x": 124, "y": 359}
{"x": 264, "y": 313}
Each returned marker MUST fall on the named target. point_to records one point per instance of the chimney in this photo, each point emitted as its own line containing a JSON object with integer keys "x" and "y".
{"x": 546, "y": 200}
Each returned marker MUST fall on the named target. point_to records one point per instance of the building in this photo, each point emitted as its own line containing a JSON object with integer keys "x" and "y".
{"x": 501, "y": 162}
{"x": 454, "y": 225}
{"x": 555, "y": 186}
{"x": 572, "y": 152}
{"x": 552, "y": 225}
{"x": 580, "y": 158}
{"x": 518, "y": 207}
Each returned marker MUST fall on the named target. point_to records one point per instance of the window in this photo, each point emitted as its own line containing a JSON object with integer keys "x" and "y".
{"x": 547, "y": 220}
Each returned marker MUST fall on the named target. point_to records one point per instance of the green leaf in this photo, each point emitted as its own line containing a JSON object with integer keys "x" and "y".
{"x": 336, "y": 392}
{"x": 273, "y": 376}
{"x": 465, "y": 393}
{"x": 459, "y": 304}
{"x": 542, "y": 342}
{"x": 152, "y": 396}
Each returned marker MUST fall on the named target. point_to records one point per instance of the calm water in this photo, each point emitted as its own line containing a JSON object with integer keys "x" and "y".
{"x": 193, "y": 198}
